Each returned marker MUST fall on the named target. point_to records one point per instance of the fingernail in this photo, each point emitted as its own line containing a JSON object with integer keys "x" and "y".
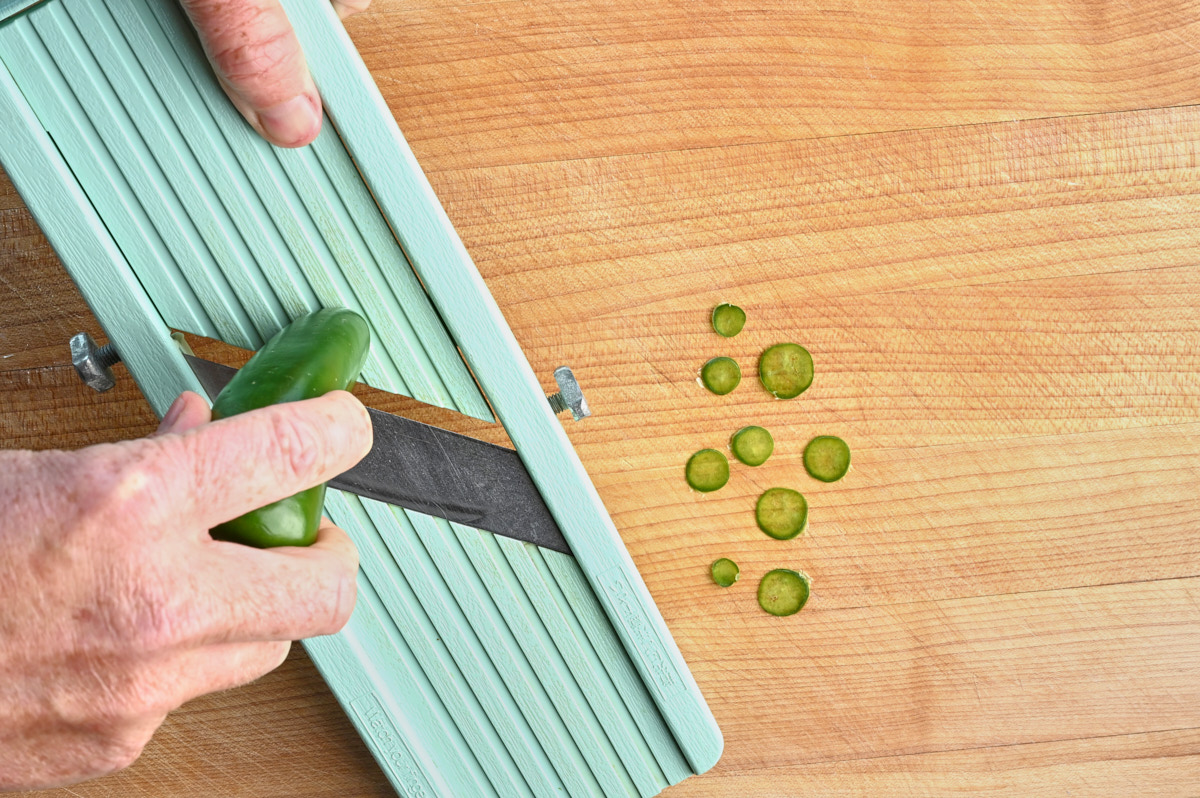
{"x": 293, "y": 123}
{"x": 173, "y": 413}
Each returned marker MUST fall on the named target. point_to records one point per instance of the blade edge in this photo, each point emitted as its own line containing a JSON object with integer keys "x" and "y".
{"x": 435, "y": 471}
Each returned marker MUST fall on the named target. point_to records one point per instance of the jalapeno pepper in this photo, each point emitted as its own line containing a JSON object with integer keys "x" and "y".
{"x": 317, "y": 353}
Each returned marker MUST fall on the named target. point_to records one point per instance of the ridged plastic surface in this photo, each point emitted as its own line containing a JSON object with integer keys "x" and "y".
{"x": 230, "y": 238}
{"x": 474, "y": 665}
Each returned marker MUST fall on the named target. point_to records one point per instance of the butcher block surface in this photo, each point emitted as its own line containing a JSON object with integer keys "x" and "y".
{"x": 981, "y": 220}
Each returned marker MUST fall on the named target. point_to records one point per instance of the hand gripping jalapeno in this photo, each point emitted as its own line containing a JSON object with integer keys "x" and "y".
{"x": 315, "y": 354}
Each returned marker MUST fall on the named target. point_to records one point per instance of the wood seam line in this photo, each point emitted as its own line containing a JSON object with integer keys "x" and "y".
{"x": 808, "y": 139}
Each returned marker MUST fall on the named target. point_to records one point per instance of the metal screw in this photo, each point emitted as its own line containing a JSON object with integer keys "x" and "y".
{"x": 94, "y": 363}
{"x": 569, "y": 396}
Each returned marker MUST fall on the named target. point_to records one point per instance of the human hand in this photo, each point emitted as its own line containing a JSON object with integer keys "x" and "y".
{"x": 118, "y": 606}
{"x": 258, "y": 60}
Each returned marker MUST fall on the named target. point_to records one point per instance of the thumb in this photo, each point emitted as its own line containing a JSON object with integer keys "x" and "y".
{"x": 187, "y": 412}
{"x": 258, "y": 60}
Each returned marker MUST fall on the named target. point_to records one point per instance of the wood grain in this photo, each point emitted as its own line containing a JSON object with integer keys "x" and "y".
{"x": 981, "y": 223}
{"x": 511, "y": 82}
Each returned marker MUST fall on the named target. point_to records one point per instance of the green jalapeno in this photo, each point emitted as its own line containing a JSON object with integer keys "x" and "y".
{"x": 317, "y": 353}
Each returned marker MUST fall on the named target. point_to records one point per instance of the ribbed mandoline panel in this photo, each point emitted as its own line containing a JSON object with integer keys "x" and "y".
{"x": 491, "y": 660}
{"x": 231, "y": 238}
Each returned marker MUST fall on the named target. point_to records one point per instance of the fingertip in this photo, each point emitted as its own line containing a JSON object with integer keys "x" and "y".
{"x": 292, "y": 123}
{"x": 348, "y": 8}
{"x": 285, "y": 593}
{"x": 339, "y": 580}
{"x": 354, "y": 422}
{"x": 282, "y": 649}
{"x": 334, "y": 539}
{"x": 188, "y": 411}
{"x": 337, "y": 542}
{"x": 259, "y": 62}
{"x": 168, "y": 419}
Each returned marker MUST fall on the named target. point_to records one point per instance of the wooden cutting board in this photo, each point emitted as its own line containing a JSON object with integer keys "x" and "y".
{"x": 980, "y": 219}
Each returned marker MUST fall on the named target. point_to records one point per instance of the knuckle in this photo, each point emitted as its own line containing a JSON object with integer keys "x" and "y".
{"x": 96, "y": 478}
{"x": 295, "y": 445}
{"x": 160, "y": 623}
{"x": 306, "y": 605}
{"x": 120, "y": 752}
{"x": 116, "y": 481}
{"x": 246, "y": 57}
{"x": 149, "y": 692}
{"x": 119, "y": 696}
{"x": 113, "y": 757}
{"x": 252, "y": 46}
{"x": 258, "y": 52}
{"x": 140, "y": 695}
{"x": 111, "y": 696}
{"x": 145, "y": 612}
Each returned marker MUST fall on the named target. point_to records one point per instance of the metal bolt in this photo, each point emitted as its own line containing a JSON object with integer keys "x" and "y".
{"x": 569, "y": 396}
{"x": 94, "y": 363}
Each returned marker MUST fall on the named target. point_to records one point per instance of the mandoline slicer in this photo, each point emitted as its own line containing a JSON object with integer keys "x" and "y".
{"x": 474, "y": 665}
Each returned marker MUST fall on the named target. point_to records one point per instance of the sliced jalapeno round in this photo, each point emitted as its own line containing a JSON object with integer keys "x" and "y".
{"x": 783, "y": 592}
{"x": 707, "y": 470}
{"x": 728, "y": 320}
{"x": 782, "y": 513}
{"x": 827, "y": 458}
{"x": 721, "y": 375}
{"x": 725, "y": 572}
{"x": 752, "y": 445}
{"x": 786, "y": 370}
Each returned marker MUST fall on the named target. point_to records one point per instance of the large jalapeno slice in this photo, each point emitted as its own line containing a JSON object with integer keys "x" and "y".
{"x": 317, "y": 353}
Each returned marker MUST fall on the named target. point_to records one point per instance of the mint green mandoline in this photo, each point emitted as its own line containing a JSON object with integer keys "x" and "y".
{"x": 540, "y": 673}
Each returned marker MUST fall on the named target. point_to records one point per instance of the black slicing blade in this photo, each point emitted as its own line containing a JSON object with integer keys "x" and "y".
{"x": 437, "y": 472}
